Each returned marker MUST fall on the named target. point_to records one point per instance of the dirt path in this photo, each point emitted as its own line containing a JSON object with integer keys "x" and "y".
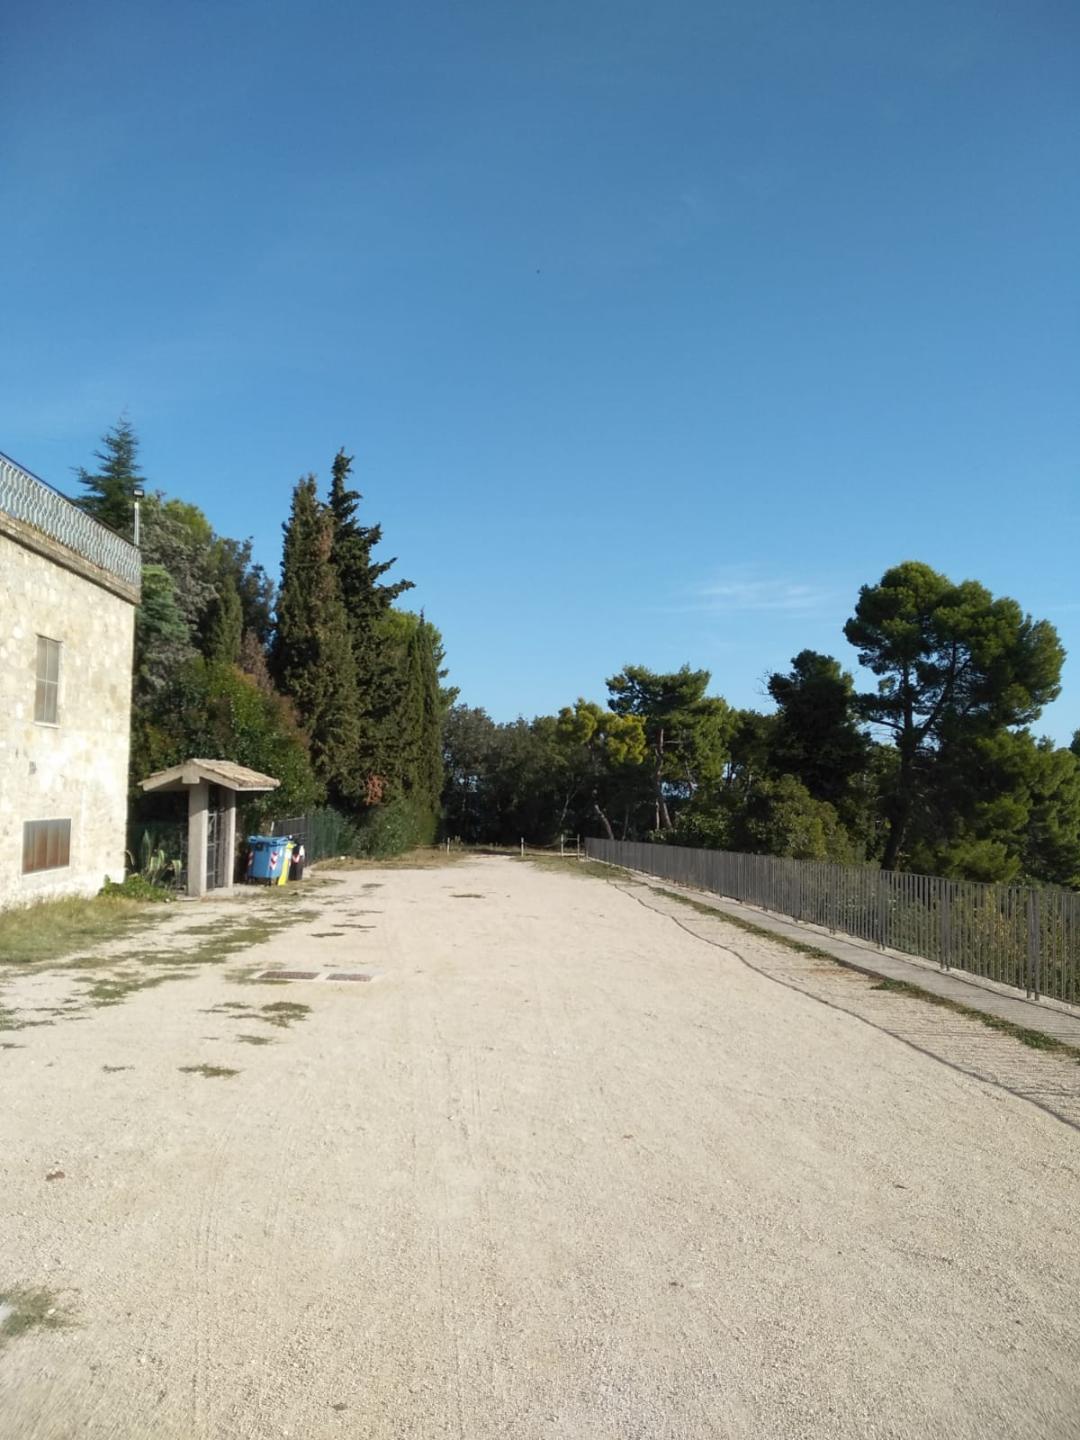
{"x": 562, "y": 1169}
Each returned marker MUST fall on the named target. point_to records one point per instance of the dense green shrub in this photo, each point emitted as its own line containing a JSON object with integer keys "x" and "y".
{"x": 401, "y": 824}
{"x": 136, "y": 887}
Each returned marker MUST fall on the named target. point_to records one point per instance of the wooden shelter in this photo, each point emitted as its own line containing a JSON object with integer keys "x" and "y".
{"x": 212, "y": 787}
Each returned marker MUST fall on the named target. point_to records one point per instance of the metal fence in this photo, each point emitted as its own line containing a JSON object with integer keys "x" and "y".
{"x": 1018, "y": 935}
{"x": 322, "y": 833}
{"x": 24, "y": 497}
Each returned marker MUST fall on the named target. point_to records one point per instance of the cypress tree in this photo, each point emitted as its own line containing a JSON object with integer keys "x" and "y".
{"x": 109, "y": 496}
{"x": 413, "y": 738}
{"x": 367, "y": 600}
{"x": 313, "y": 654}
{"x": 224, "y": 622}
{"x": 430, "y": 770}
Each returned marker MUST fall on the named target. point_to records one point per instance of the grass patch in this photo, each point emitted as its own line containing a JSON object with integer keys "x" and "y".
{"x": 283, "y": 1012}
{"x": 115, "y": 1069}
{"x": 53, "y": 929}
{"x": 115, "y": 989}
{"x": 209, "y": 1072}
{"x": 219, "y": 940}
{"x": 571, "y": 865}
{"x": 12, "y": 1020}
{"x": 468, "y": 895}
{"x": 245, "y": 935}
{"x": 1034, "y": 1039}
{"x": 254, "y": 1039}
{"x": 24, "y": 1308}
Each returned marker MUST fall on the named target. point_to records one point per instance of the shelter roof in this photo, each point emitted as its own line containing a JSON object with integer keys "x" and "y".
{"x": 225, "y": 773}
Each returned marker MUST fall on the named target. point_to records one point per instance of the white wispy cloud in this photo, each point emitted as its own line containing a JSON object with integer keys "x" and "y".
{"x": 741, "y": 592}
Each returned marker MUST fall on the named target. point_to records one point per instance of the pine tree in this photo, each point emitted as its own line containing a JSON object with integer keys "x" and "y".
{"x": 367, "y": 600}
{"x": 110, "y": 496}
{"x": 313, "y": 655}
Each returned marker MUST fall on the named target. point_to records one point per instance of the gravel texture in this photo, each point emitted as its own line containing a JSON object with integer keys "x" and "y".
{"x": 563, "y": 1168}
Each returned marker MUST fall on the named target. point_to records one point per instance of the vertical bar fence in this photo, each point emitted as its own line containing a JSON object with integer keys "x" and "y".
{"x": 1024, "y": 936}
{"x": 322, "y": 832}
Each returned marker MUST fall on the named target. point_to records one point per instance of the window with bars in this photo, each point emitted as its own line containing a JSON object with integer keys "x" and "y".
{"x": 46, "y": 845}
{"x": 47, "y": 691}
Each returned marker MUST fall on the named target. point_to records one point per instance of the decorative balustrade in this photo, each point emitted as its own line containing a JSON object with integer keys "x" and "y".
{"x": 26, "y": 498}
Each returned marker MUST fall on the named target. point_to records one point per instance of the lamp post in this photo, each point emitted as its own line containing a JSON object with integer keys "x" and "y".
{"x": 137, "y": 494}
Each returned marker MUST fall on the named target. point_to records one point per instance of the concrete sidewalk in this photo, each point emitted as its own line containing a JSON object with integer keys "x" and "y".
{"x": 1048, "y": 1016}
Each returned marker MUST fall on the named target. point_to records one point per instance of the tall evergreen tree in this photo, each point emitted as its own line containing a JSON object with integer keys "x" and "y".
{"x": 224, "y": 623}
{"x": 254, "y": 587}
{"x": 429, "y": 774}
{"x": 412, "y": 741}
{"x": 109, "y": 491}
{"x": 162, "y": 635}
{"x": 367, "y": 598}
{"x": 313, "y": 655}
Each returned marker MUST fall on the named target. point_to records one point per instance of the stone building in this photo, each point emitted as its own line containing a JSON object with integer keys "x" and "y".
{"x": 68, "y": 591}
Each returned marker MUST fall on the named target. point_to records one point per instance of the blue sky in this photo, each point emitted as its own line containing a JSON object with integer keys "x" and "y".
{"x": 656, "y": 329}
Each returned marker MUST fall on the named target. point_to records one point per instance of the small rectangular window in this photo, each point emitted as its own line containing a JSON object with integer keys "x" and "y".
{"x": 46, "y": 845}
{"x": 47, "y": 691}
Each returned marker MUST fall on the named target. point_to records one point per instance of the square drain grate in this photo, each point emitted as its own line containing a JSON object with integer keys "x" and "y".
{"x": 289, "y": 975}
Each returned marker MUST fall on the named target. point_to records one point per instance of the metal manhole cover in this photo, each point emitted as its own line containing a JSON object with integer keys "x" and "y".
{"x": 289, "y": 975}
{"x": 358, "y": 975}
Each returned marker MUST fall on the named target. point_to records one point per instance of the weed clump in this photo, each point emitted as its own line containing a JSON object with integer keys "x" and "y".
{"x": 24, "y": 1307}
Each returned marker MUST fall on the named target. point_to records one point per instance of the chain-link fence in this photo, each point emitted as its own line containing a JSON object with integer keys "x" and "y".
{"x": 1019, "y": 935}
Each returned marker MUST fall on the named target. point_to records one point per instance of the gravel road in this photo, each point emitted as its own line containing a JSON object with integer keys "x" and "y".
{"x": 562, "y": 1169}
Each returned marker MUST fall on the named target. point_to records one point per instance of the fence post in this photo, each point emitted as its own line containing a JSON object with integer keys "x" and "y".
{"x": 523, "y": 847}
{"x": 1033, "y": 943}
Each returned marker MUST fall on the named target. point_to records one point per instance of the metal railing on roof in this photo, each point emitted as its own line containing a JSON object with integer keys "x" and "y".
{"x": 24, "y": 497}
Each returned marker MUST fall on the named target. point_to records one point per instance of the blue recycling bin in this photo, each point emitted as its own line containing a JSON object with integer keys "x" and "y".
{"x": 266, "y": 857}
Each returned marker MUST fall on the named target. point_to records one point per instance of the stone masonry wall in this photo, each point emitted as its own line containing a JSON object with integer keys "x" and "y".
{"x": 77, "y": 769}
